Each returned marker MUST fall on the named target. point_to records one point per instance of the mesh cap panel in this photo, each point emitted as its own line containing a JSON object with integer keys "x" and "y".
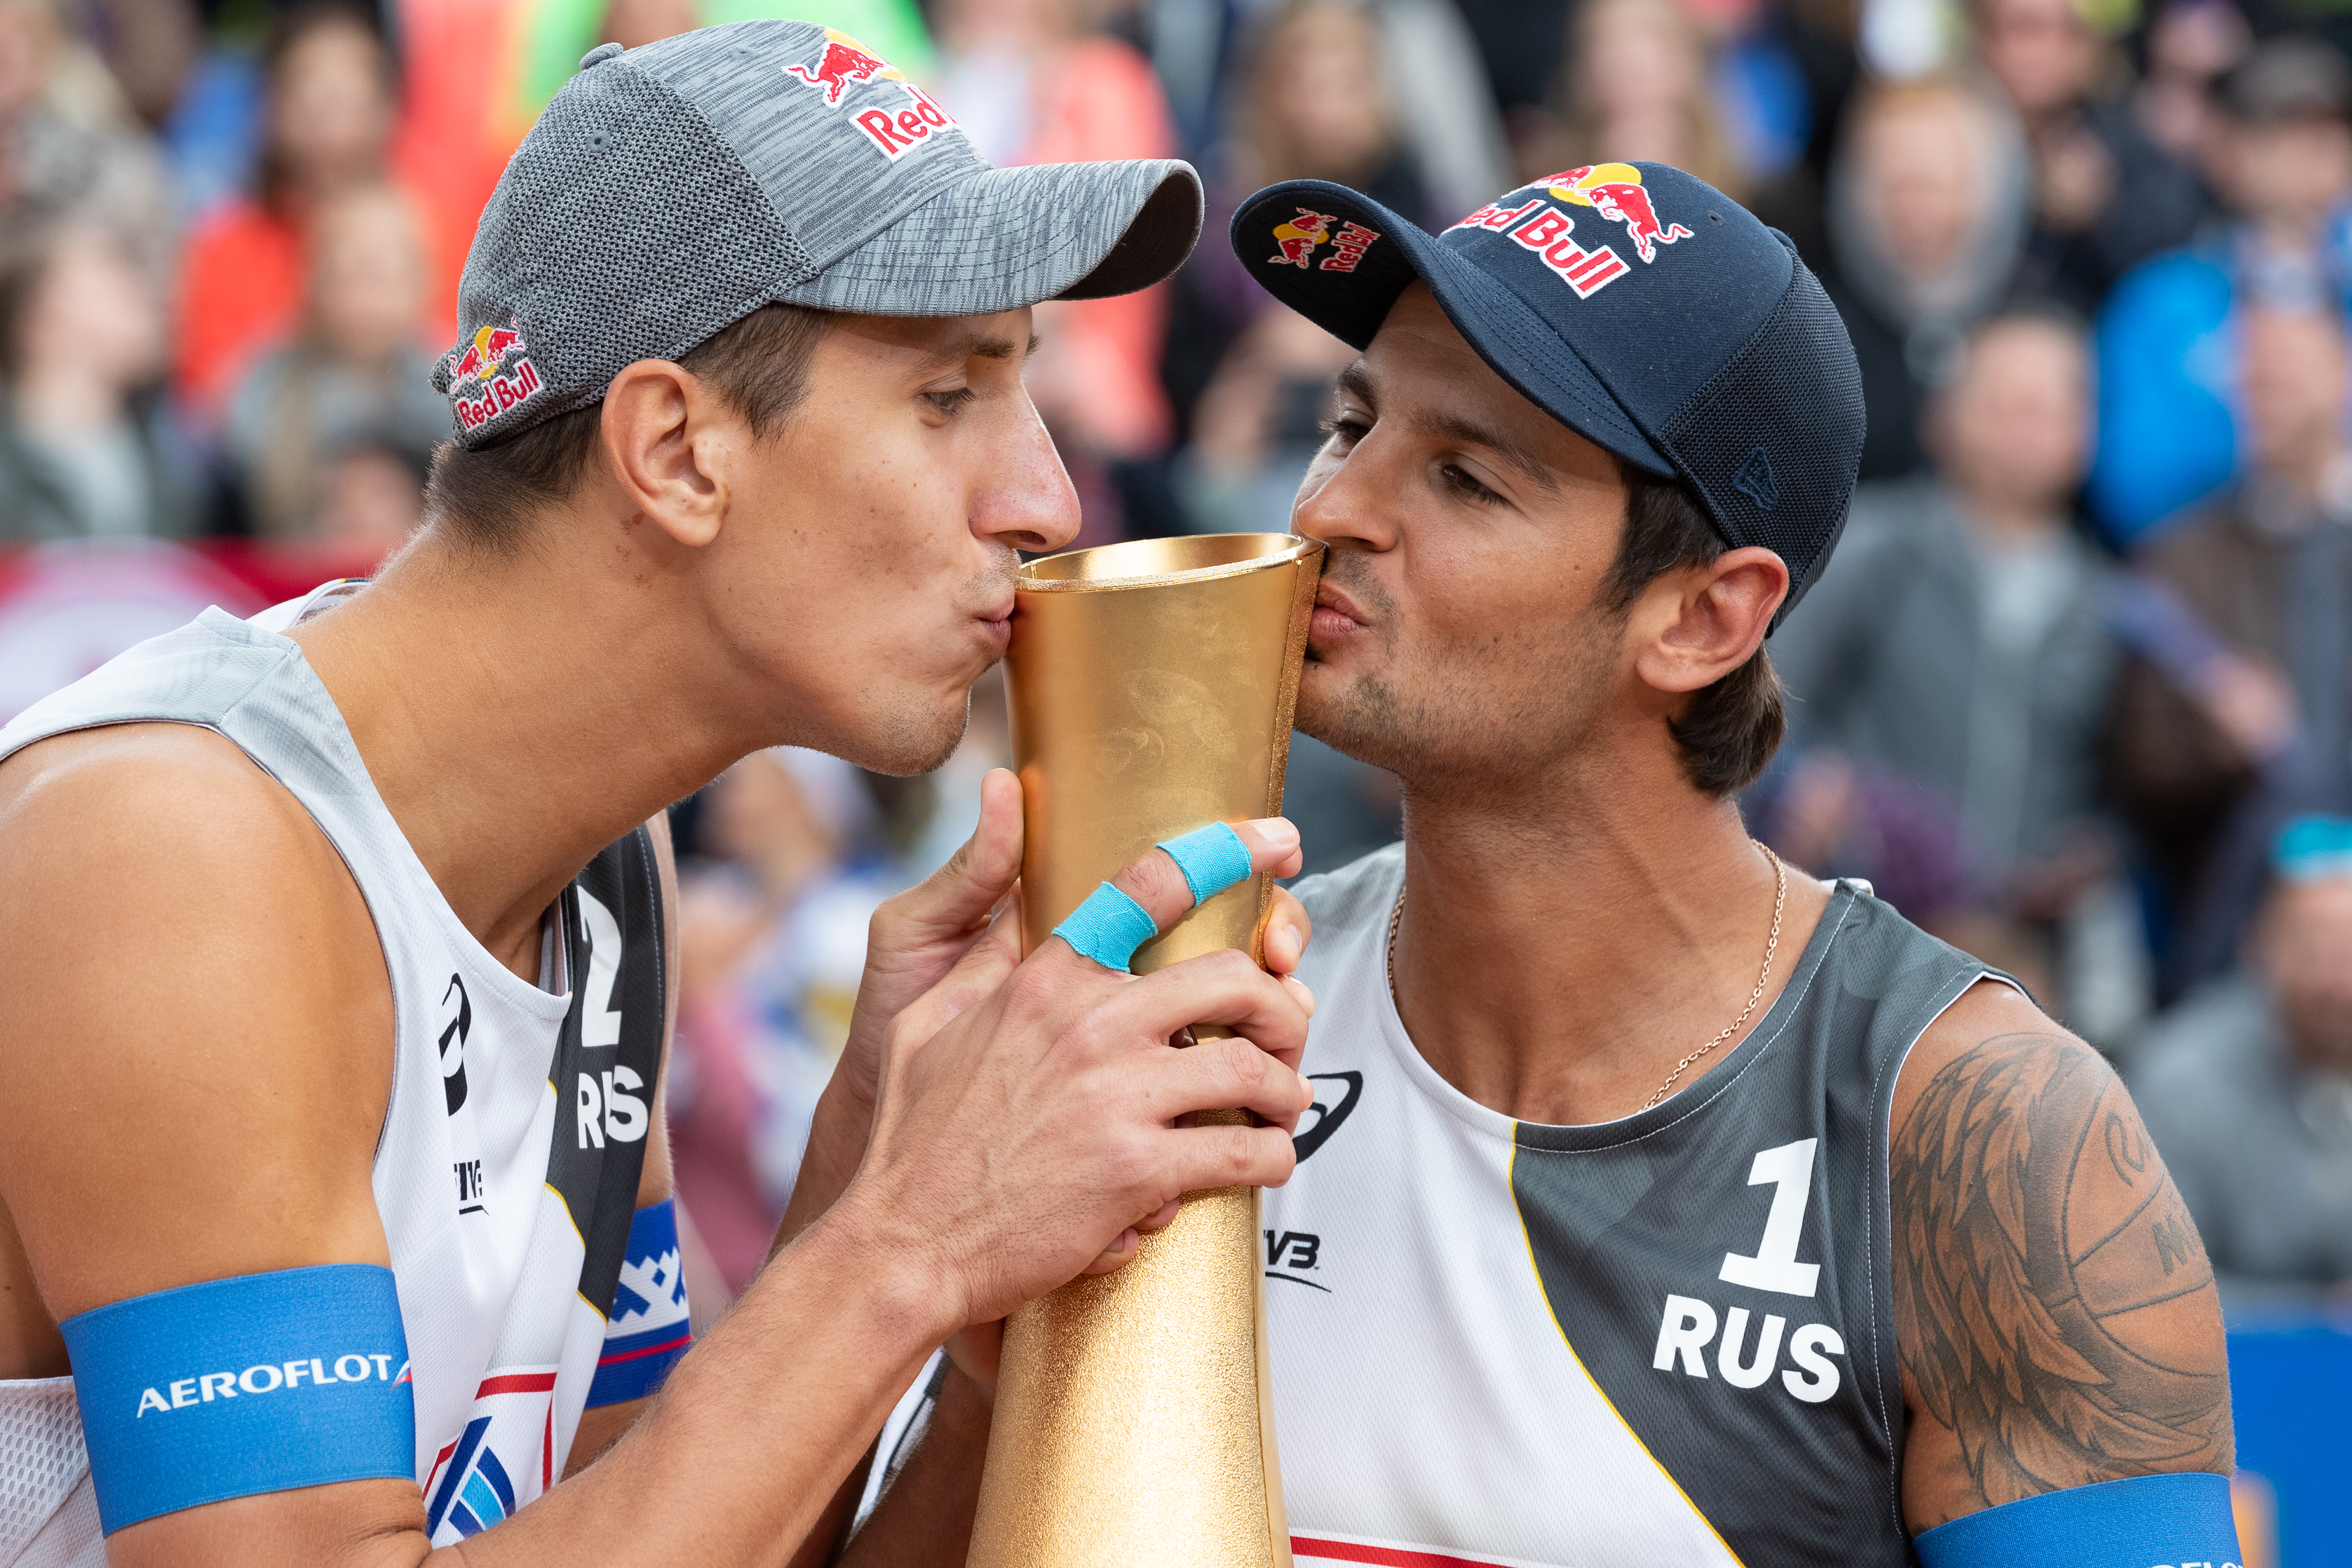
{"x": 1781, "y": 482}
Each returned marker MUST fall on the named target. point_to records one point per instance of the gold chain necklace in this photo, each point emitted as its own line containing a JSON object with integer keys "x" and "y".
{"x": 1755, "y": 997}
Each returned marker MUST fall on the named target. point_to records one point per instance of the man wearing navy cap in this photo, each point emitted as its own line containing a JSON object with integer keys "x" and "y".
{"x": 1662, "y": 1204}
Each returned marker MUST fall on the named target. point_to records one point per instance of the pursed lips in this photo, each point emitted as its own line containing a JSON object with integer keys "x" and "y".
{"x": 1336, "y": 615}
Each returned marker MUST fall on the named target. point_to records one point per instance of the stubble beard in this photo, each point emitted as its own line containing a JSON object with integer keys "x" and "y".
{"x": 1467, "y": 717}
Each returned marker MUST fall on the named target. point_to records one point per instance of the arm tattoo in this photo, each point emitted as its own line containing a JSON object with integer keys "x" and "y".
{"x": 2054, "y": 1305}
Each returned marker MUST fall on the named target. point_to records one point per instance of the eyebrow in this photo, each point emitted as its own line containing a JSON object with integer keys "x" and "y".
{"x": 980, "y": 345}
{"x": 1356, "y": 381}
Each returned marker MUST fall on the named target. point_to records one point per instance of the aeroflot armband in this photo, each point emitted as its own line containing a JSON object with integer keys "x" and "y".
{"x": 261, "y": 1383}
{"x": 2175, "y": 1519}
{"x": 648, "y": 1329}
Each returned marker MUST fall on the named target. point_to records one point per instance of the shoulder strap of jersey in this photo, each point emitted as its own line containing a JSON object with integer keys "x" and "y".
{"x": 608, "y": 1052}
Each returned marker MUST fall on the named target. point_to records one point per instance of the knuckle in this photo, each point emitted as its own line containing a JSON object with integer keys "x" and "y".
{"x": 1153, "y": 882}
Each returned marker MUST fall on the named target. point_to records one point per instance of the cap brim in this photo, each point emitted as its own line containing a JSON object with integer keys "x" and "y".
{"x": 1006, "y": 238}
{"x": 1522, "y": 347}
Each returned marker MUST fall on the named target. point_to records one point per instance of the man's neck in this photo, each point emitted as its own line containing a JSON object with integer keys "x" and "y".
{"x": 518, "y": 714}
{"x": 1565, "y": 942}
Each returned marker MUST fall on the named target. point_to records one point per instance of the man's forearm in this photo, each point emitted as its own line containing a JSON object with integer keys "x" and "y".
{"x": 924, "y": 1517}
{"x": 737, "y": 1459}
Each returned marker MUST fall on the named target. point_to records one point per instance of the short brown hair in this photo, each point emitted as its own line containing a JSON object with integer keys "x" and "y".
{"x": 1732, "y": 727}
{"x": 488, "y": 497}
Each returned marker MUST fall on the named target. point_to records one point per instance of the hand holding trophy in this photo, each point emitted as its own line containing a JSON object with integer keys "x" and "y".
{"x": 1151, "y": 687}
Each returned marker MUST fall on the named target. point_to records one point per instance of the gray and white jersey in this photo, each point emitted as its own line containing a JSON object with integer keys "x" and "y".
{"x": 1665, "y": 1339}
{"x": 505, "y": 1174}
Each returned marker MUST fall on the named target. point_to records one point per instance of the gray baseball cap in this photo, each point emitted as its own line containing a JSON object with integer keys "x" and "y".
{"x": 671, "y": 189}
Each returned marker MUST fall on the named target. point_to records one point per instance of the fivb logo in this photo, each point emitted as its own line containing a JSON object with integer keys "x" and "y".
{"x": 269, "y": 1377}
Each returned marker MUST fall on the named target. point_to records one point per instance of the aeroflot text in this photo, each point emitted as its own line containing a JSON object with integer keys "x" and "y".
{"x": 267, "y": 1378}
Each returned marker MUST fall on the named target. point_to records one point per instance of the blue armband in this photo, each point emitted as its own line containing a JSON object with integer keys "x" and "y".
{"x": 261, "y": 1383}
{"x": 1212, "y": 859}
{"x": 648, "y": 1328}
{"x": 2180, "y": 1520}
{"x": 1108, "y": 927}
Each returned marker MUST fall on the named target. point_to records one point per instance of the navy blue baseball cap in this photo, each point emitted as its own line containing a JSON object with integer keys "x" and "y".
{"x": 1637, "y": 305}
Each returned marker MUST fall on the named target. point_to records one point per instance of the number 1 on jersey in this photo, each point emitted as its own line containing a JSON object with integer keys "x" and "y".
{"x": 1790, "y": 1169}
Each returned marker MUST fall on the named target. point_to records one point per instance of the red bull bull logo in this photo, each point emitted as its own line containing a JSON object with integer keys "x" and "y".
{"x": 494, "y": 362}
{"x": 845, "y": 60}
{"x": 1616, "y": 192}
{"x": 1294, "y": 241}
{"x": 893, "y": 132}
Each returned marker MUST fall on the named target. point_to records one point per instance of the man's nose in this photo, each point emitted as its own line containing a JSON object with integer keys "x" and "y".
{"x": 1341, "y": 501}
{"x": 1025, "y": 500}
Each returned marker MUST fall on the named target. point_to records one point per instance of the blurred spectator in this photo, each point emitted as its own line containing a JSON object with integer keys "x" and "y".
{"x": 1957, "y": 641}
{"x": 371, "y": 496}
{"x": 1635, "y": 86}
{"x": 85, "y": 448}
{"x": 2105, "y": 197}
{"x": 1927, "y": 208}
{"x": 2210, "y": 754}
{"x": 1317, "y": 106}
{"x": 1031, "y": 86}
{"x": 1258, "y": 424}
{"x": 68, "y": 145}
{"x": 772, "y": 943}
{"x": 327, "y": 123}
{"x": 2247, "y": 1088}
{"x": 354, "y": 366}
{"x": 2282, "y": 164}
{"x": 2190, "y": 44}
{"x": 1759, "y": 88}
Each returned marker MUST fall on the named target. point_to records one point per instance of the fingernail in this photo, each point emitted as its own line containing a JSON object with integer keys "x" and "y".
{"x": 1305, "y": 997}
{"x": 1285, "y": 940}
{"x": 1277, "y": 831}
{"x": 1307, "y": 1087}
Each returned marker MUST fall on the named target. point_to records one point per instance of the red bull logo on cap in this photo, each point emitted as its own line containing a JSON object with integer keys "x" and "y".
{"x": 893, "y": 132}
{"x": 494, "y": 361}
{"x": 1616, "y": 192}
{"x": 1295, "y": 242}
{"x": 845, "y": 60}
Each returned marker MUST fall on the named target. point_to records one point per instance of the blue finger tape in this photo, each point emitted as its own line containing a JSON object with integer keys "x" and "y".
{"x": 649, "y": 1328}
{"x": 1212, "y": 859}
{"x": 1108, "y": 927}
{"x": 261, "y": 1383}
{"x": 2172, "y": 1518}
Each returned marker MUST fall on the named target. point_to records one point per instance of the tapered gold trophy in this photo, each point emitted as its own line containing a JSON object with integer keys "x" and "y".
{"x": 1152, "y": 688}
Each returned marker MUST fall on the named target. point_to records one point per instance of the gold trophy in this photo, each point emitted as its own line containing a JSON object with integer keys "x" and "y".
{"x": 1152, "y": 688}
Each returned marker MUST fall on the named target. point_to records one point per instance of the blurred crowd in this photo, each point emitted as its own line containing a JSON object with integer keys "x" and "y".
{"x": 2075, "y": 693}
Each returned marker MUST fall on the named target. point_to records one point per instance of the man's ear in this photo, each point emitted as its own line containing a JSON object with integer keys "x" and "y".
{"x": 1696, "y": 625}
{"x": 670, "y": 444}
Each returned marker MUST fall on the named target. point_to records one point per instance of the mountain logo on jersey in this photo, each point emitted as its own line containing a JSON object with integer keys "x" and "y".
{"x": 475, "y": 1493}
{"x": 1328, "y": 1117}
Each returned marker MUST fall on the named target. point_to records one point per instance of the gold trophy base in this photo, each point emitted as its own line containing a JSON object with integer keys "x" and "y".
{"x": 1171, "y": 1348}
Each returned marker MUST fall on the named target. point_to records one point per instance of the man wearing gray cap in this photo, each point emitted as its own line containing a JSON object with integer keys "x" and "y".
{"x": 335, "y": 965}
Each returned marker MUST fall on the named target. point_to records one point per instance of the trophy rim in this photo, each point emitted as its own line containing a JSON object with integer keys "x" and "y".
{"x": 1285, "y": 550}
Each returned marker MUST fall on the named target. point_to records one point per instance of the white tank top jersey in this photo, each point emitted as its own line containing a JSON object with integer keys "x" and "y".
{"x": 506, "y": 1199}
{"x": 1664, "y": 1339}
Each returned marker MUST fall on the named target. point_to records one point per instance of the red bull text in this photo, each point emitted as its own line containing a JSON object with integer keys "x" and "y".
{"x": 1551, "y": 237}
{"x": 1349, "y": 247}
{"x": 900, "y": 133}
